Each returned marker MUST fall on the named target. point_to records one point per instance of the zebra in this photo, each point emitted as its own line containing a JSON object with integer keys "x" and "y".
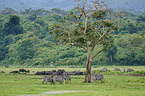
{"x": 58, "y": 79}
{"x": 67, "y": 78}
{"x": 48, "y": 79}
{"x": 97, "y": 77}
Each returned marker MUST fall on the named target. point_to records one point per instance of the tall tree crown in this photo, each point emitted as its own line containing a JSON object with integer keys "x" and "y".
{"x": 89, "y": 27}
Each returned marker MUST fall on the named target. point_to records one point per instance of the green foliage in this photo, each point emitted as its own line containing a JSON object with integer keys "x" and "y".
{"x": 57, "y": 17}
{"x": 41, "y": 22}
{"x": 13, "y": 26}
{"x": 40, "y": 48}
{"x": 138, "y": 72}
{"x": 141, "y": 18}
{"x": 22, "y": 50}
{"x": 32, "y": 17}
{"x": 130, "y": 49}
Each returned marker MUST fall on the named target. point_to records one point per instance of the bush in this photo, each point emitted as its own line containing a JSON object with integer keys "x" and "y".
{"x": 138, "y": 72}
{"x": 6, "y": 66}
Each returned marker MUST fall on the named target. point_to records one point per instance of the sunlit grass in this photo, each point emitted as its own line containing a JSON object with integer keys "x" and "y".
{"x": 136, "y": 68}
{"x": 113, "y": 85}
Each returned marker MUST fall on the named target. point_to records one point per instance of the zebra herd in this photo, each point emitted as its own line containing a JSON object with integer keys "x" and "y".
{"x": 67, "y": 77}
{"x": 56, "y": 78}
{"x": 61, "y": 75}
{"x": 60, "y": 78}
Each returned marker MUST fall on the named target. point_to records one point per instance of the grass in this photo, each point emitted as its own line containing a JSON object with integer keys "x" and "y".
{"x": 114, "y": 84}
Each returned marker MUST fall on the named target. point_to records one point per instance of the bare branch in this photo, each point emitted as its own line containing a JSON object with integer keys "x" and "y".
{"x": 78, "y": 5}
{"x": 86, "y": 25}
{"x": 98, "y": 41}
{"x": 99, "y": 52}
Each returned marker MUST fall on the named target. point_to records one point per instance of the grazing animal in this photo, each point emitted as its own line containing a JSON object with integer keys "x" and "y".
{"x": 61, "y": 71}
{"x": 130, "y": 70}
{"x": 104, "y": 70}
{"x": 53, "y": 70}
{"x": 40, "y": 73}
{"x": 67, "y": 78}
{"x": 58, "y": 79}
{"x": 48, "y": 79}
{"x": 123, "y": 69}
{"x": 71, "y": 73}
{"x": 79, "y": 73}
{"x": 28, "y": 71}
{"x": 22, "y": 70}
{"x": 14, "y": 72}
{"x": 43, "y": 73}
{"x": 116, "y": 69}
{"x": 2, "y": 72}
{"x": 93, "y": 78}
{"x": 97, "y": 77}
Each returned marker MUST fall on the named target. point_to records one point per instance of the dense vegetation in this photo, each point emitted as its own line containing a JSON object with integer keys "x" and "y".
{"x": 20, "y": 5}
{"x": 25, "y": 40}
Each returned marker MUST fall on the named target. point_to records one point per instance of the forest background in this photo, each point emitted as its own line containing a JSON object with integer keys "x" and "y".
{"x": 25, "y": 39}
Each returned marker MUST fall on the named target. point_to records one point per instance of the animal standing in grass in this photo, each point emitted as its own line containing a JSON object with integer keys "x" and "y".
{"x": 48, "y": 79}
{"x": 116, "y": 69}
{"x": 58, "y": 79}
{"x": 130, "y": 70}
{"x": 97, "y": 77}
{"x": 67, "y": 77}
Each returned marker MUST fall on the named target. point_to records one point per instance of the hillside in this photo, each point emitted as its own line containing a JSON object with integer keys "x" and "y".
{"x": 26, "y": 39}
{"x": 20, "y": 5}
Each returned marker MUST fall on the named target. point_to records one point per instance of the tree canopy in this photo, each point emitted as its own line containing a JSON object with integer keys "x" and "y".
{"x": 127, "y": 40}
{"x": 89, "y": 28}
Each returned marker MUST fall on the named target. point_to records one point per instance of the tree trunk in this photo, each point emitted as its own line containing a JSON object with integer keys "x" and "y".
{"x": 88, "y": 68}
{"x": 111, "y": 58}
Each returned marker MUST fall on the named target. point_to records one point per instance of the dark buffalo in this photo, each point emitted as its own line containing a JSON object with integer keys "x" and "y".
{"x": 22, "y": 70}
{"x": 79, "y": 73}
{"x": 40, "y": 73}
{"x": 71, "y": 73}
{"x": 48, "y": 72}
{"x": 14, "y": 72}
{"x": 44, "y": 73}
{"x": 61, "y": 71}
{"x": 2, "y": 72}
{"x": 76, "y": 73}
{"x": 53, "y": 70}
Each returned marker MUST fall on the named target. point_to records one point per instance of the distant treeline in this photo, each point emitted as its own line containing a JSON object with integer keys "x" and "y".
{"x": 25, "y": 40}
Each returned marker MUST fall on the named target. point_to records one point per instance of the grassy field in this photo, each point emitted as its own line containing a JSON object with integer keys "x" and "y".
{"x": 113, "y": 85}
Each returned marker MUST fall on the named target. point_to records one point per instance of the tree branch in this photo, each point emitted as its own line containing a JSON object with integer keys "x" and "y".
{"x": 78, "y": 45}
{"x": 98, "y": 41}
{"x": 99, "y": 52}
{"x": 86, "y": 25}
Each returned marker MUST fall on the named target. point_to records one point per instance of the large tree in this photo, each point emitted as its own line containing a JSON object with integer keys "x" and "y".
{"x": 13, "y": 26}
{"x": 88, "y": 28}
